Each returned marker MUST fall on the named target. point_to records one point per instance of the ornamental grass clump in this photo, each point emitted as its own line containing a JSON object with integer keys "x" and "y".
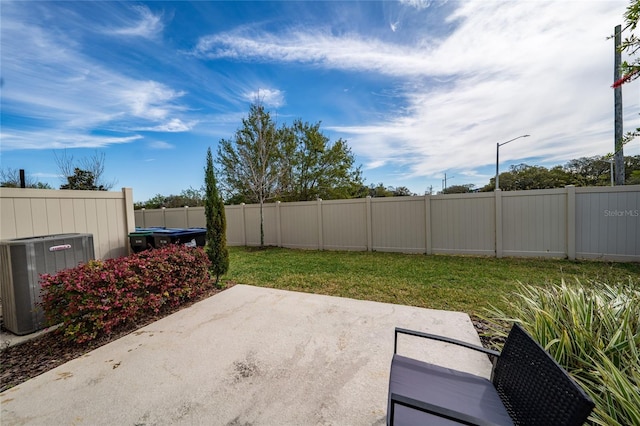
{"x": 593, "y": 331}
{"x": 93, "y": 299}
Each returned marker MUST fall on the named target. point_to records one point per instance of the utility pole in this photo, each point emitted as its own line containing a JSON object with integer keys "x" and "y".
{"x": 444, "y": 181}
{"x": 617, "y": 101}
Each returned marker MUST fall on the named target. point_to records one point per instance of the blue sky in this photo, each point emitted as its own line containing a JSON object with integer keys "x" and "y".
{"x": 417, "y": 88}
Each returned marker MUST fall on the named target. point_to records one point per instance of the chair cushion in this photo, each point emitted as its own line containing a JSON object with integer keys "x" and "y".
{"x": 443, "y": 387}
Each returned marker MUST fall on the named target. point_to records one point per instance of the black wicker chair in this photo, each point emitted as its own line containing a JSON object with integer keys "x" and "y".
{"x": 527, "y": 387}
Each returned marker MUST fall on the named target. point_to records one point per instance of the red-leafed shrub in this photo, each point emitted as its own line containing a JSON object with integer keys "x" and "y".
{"x": 95, "y": 297}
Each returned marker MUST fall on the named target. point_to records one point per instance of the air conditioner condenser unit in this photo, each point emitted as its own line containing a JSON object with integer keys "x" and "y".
{"x": 22, "y": 261}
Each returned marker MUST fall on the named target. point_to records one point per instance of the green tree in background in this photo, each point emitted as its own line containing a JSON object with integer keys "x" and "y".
{"x": 314, "y": 168}
{"x": 632, "y": 170}
{"x": 291, "y": 163}
{"x": 216, "y": 246}
{"x": 585, "y": 171}
{"x": 188, "y": 198}
{"x": 524, "y": 177}
{"x": 374, "y": 191}
{"x": 402, "y": 191}
{"x": 380, "y": 190}
{"x": 459, "y": 189}
{"x": 589, "y": 171}
{"x": 82, "y": 180}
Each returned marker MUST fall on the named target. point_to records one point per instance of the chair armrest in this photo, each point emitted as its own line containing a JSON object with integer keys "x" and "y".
{"x": 489, "y": 352}
{"x": 435, "y": 410}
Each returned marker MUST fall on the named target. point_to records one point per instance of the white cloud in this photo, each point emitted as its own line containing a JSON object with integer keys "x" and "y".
{"x": 418, "y": 4}
{"x": 494, "y": 70}
{"x": 375, "y": 164}
{"x": 516, "y": 68}
{"x": 58, "y": 139}
{"x": 145, "y": 25}
{"x": 150, "y": 99}
{"x": 347, "y": 52}
{"x": 160, "y": 145}
{"x": 505, "y": 69}
{"x": 48, "y": 79}
{"x": 268, "y": 97}
{"x": 173, "y": 126}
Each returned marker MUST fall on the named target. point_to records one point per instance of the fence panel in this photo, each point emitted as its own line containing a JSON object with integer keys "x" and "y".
{"x": 344, "y": 224}
{"x": 175, "y": 218}
{"x": 235, "y": 225}
{"x": 608, "y": 223}
{"x": 139, "y": 217}
{"x": 33, "y": 212}
{"x": 463, "y": 224}
{"x": 299, "y": 225}
{"x": 252, "y": 224}
{"x": 569, "y": 222}
{"x": 153, "y": 218}
{"x": 398, "y": 224}
{"x": 534, "y": 223}
{"x": 195, "y": 217}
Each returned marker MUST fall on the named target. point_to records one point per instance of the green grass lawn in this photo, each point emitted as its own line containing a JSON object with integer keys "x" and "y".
{"x": 459, "y": 283}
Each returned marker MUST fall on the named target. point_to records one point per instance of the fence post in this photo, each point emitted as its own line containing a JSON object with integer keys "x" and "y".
{"x": 498, "y": 195}
{"x": 427, "y": 224}
{"x": 319, "y": 213}
{"x": 244, "y": 226}
{"x": 129, "y": 214}
{"x": 186, "y": 216}
{"x": 369, "y": 224}
{"x": 164, "y": 217}
{"x": 278, "y": 225}
{"x": 571, "y": 222}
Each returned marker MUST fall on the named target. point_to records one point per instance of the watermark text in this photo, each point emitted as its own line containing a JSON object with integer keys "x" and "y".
{"x": 622, "y": 213}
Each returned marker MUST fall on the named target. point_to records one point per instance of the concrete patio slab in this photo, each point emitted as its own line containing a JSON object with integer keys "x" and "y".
{"x": 246, "y": 356}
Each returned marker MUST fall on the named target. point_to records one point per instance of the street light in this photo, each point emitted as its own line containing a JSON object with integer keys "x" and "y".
{"x": 498, "y": 145}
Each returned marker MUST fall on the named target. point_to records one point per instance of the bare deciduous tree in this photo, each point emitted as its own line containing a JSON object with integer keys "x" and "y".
{"x": 250, "y": 162}
{"x": 10, "y": 178}
{"x": 93, "y": 165}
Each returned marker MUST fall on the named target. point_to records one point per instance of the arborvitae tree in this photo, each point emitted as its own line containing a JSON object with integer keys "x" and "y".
{"x": 216, "y": 246}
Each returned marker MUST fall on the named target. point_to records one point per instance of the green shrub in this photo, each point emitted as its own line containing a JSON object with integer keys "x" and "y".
{"x": 593, "y": 331}
{"x": 96, "y": 297}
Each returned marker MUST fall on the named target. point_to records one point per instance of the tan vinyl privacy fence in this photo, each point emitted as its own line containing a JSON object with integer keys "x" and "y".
{"x": 599, "y": 223}
{"x": 36, "y": 212}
